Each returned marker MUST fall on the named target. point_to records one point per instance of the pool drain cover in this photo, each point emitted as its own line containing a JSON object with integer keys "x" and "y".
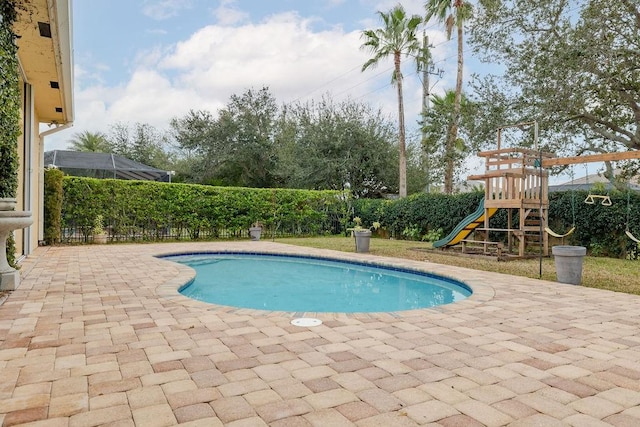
{"x": 306, "y": 321}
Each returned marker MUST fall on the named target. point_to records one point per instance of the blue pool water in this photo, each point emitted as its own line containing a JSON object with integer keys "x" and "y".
{"x": 290, "y": 283}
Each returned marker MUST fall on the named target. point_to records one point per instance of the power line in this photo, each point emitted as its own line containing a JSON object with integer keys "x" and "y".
{"x": 364, "y": 81}
{"x": 385, "y": 86}
{"x": 350, "y": 88}
{"x": 444, "y": 60}
{"x": 327, "y": 83}
{"x": 388, "y": 84}
{"x": 353, "y": 69}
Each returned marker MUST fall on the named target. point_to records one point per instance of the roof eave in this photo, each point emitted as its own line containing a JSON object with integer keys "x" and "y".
{"x": 61, "y": 19}
{"x": 45, "y": 54}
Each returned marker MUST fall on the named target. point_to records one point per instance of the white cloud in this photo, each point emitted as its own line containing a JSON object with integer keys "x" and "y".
{"x": 149, "y": 97}
{"x": 157, "y": 32}
{"x": 164, "y": 9}
{"x": 228, "y": 14}
{"x": 282, "y": 52}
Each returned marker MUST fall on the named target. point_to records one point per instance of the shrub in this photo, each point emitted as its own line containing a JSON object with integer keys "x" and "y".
{"x": 52, "y": 205}
{"x": 149, "y": 210}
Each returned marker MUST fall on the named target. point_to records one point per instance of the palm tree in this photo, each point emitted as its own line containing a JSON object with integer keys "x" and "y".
{"x": 90, "y": 141}
{"x": 395, "y": 38}
{"x": 453, "y": 13}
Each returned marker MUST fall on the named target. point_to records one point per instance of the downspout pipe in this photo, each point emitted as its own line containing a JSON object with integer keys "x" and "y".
{"x": 56, "y": 129}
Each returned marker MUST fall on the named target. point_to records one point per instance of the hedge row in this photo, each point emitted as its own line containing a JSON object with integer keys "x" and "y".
{"x": 53, "y": 193}
{"x": 152, "y": 210}
{"x": 599, "y": 228}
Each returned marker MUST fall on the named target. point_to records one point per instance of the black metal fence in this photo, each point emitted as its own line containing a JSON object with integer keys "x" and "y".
{"x": 75, "y": 233}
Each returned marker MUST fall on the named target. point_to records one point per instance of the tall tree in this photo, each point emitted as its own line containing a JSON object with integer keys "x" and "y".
{"x": 397, "y": 37}
{"x": 446, "y": 159}
{"x": 573, "y": 66}
{"x": 246, "y": 128}
{"x": 236, "y": 147}
{"x": 325, "y": 144}
{"x": 317, "y": 145}
{"x": 194, "y": 135}
{"x": 142, "y": 143}
{"x": 453, "y": 13}
{"x": 89, "y": 141}
{"x": 149, "y": 146}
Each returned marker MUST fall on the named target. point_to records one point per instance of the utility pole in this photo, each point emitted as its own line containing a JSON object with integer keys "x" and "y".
{"x": 425, "y": 104}
{"x": 426, "y": 71}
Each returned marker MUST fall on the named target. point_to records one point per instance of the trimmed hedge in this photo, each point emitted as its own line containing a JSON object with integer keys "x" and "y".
{"x": 599, "y": 228}
{"x": 422, "y": 212}
{"x": 152, "y": 210}
{"x": 53, "y": 205}
{"x": 144, "y": 210}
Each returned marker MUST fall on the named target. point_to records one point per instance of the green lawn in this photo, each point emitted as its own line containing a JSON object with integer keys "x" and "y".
{"x": 603, "y": 273}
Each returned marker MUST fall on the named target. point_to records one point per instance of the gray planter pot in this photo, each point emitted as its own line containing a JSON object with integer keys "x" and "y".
{"x": 10, "y": 220}
{"x": 363, "y": 237}
{"x": 255, "y": 232}
{"x": 568, "y": 260}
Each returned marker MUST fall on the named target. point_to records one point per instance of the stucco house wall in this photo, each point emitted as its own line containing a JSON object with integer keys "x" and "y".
{"x": 45, "y": 55}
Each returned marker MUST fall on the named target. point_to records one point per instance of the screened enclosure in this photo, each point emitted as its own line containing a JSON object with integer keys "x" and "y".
{"x": 102, "y": 165}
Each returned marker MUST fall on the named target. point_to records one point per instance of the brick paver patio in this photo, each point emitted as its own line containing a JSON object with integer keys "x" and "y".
{"x": 98, "y": 335}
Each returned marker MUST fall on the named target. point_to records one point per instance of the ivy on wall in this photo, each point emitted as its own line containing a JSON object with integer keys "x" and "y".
{"x": 9, "y": 101}
{"x": 9, "y": 108}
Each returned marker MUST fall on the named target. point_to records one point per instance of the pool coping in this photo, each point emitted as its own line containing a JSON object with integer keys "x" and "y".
{"x": 481, "y": 292}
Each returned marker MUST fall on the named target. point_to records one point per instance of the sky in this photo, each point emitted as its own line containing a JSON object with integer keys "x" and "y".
{"x": 149, "y": 61}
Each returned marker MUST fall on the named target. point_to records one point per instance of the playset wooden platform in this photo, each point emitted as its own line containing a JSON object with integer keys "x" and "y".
{"x": 517, "y": 179}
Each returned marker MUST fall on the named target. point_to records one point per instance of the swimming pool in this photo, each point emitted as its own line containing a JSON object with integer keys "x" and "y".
{"x": 308, "y": 284}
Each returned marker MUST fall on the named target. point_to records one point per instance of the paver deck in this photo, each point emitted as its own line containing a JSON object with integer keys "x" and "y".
{"x": 98, "y": 335}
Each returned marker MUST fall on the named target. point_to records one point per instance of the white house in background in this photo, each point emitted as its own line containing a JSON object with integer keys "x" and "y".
{"x": 45, "y": 57}
{"x": 587, "y": 182}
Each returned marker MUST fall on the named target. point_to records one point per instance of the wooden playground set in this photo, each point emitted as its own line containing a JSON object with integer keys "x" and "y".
{"x": 517, "y": 179}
